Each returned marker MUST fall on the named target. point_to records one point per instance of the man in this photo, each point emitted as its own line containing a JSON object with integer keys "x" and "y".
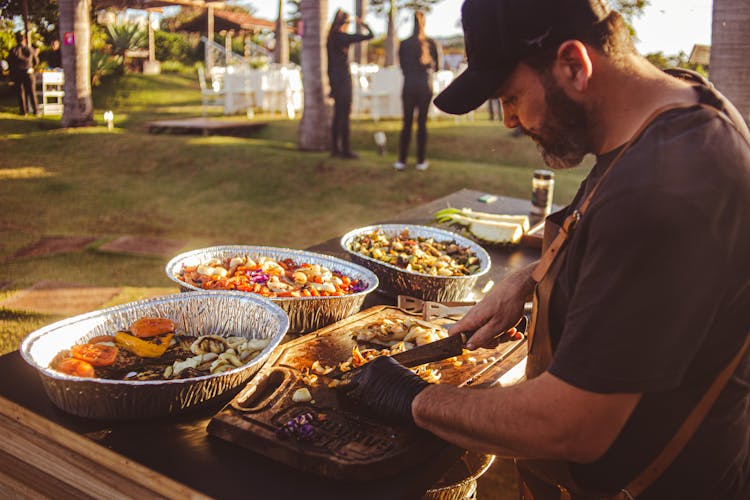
{"x": 22, "y": 60}
{"x": 642, "y": 301}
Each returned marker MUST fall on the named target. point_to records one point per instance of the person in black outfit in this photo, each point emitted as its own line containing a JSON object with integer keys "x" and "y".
{"x": 340, "y": 79}
{"x": 22, "y": 60}
{"x": 51, "y": 56}
{"x": 419, "y": 57}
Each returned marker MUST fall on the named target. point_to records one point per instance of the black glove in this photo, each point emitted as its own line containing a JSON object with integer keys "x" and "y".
{"x": 386, "y": 389}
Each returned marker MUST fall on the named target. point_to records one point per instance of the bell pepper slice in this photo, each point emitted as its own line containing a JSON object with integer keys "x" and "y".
{"x": 143, "y": 348}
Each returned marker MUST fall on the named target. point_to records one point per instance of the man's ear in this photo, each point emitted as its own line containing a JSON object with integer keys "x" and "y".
{"x": 573, "y": 65}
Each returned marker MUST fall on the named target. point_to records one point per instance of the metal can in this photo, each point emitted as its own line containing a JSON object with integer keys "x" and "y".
{"x": 542, "y": 189}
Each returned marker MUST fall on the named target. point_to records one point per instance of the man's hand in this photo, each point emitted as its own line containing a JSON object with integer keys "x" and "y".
{"x": 386, "y": 389}
{"x": 499, "y": 311}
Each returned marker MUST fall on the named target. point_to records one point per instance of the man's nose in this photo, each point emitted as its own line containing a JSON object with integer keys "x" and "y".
{"x": 510, "y": 120}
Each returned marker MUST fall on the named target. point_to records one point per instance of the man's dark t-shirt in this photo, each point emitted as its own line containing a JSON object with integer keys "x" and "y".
{"x": 654, "y": 298}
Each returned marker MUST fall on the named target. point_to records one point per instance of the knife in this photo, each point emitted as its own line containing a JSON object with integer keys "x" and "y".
{"x": 427, "y": 353}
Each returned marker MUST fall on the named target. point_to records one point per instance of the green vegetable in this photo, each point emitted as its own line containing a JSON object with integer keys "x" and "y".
{"x": 502, "y": 230}
{"x": 523, "y": 220}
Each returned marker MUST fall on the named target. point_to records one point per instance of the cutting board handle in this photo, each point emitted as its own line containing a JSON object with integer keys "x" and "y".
{"x": 258, "y": 394}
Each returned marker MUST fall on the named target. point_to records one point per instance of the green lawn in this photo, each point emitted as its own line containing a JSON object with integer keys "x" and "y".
{"x": 213, "y": 190}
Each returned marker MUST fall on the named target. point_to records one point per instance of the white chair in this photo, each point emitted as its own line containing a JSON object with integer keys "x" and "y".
{"x": 381, "y": 93}
{"x": 282, "y": 90}
{"x": 384, "y": 93}
{"x": 240, "y": 92}
{"x": 440, "y": 80}
{"x": 213, "y": 93}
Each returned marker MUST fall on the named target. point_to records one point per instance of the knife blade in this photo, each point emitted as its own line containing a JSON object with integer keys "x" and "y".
{"x": 434, "y": 351}
{"x": 427, "y": 353}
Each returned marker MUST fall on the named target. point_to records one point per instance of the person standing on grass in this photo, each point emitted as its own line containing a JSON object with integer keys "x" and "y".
{"x": 638, "y": 368}
{"x": 340, "y": 78}
{"x": 419, "y": 56}
{"x": 22, "y": 61}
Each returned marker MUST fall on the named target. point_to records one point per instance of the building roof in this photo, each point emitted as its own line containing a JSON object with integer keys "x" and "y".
{"x": 227, "y": 20}
{"x": 701, "y": 54}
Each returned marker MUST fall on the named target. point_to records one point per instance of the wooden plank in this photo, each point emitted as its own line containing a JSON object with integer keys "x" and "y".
{"x": 79, "y": 463}
{"x": 204, "y": 125}
{"x": 20, "y": 479}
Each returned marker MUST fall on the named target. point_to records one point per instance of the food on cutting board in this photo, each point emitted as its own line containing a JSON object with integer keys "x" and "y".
{"x": 486, "y": 227}
{"x": 395, "y": 335}
{"x": 151, "y": 349}
{"x": 418, "y": 254}
{"x": 270, "y": 278}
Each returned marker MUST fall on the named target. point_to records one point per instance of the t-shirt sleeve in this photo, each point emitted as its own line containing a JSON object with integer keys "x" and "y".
{"x": 646, "y": 290}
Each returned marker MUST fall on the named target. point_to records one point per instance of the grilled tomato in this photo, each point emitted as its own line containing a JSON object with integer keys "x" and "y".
{"x": 151, "y": 327}
{"x": 95, "y": 354}
{"x": 76, "y": 367}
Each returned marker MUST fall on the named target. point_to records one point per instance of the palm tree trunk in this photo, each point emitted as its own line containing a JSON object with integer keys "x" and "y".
{"x": 730, "y": 46}
{"x": 391, "y": 44}
{"x": 281, "y": 51}
{"x": 78, "y": 108}
{"x": 314, "y": 128}
{"x": 360, "y": 49}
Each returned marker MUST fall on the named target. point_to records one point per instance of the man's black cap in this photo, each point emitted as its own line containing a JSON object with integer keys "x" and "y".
{"x": 498, "y": 34}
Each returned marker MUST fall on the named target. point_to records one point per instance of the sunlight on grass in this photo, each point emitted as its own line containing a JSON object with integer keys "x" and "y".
{"x": 130, "y": 294}
{"x": 25, "y": 173}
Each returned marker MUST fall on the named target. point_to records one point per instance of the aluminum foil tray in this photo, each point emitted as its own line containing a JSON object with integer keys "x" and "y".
{"x": 227, "y": 314}
{"x": 306, "y": 314}
{"x": 397, "y": 281}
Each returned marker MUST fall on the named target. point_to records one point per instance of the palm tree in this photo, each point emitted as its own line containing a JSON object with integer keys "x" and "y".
{"x": 314, "y": 130}
{"x": 360, "y": 49}
{"x": 78, "y": 108}
{"x": 281, "y": 51}
{"x": 730, "y": 46}
{"x": 391, "y": 40}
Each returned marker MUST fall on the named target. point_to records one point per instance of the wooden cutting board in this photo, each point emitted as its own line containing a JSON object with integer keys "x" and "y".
{"x": 346, "y": 444}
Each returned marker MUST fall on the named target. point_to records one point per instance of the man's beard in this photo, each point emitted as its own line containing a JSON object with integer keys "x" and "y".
{"x": 563, "y": 139}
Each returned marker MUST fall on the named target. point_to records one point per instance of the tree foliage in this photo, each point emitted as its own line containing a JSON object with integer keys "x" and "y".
{"x": 173, "y": 47}
{"x": 630, "y": 9}
{"x": 42, "y": 16}
{"x": 681, "y": 60}
{"x": 383, "y": 6}
{"x": 124, "y": 37}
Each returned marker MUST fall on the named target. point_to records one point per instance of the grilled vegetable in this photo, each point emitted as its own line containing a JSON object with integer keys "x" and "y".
{"x": 151, "y": 327}
{"x": 143, "y": 348}
{"x": 76, "y": 367}
{"x": 95, "y": 354}
{"x": 486, "y": 229}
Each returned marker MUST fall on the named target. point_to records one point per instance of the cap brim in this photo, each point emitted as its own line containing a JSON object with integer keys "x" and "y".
{"x": 470, "y": 89}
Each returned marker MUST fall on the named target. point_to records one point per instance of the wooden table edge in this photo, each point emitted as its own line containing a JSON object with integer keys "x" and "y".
{"x": 40, "y": 443}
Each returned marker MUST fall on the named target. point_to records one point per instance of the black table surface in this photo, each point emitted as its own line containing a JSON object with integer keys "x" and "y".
{"x": 180, "y": 448}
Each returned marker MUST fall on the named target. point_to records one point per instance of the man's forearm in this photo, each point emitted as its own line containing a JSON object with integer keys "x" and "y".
{"x": 487, "y": 420}
{"x": 541, "y": 418}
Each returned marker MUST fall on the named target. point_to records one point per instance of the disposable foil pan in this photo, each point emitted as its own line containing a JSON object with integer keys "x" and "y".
{"x": 229, "y": 314}
{"x": 306, "y": 314}
{"x": 398, "y": 281}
